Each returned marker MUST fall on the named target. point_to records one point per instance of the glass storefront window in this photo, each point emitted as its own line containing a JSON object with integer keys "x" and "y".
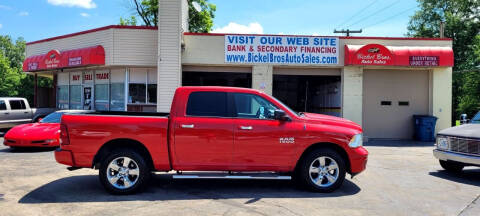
{"x": 75, "y": 97}
{"x": 152, "y": 93}
{"x": 62, "y": 94}
{"x": 117, "y": 98}
{"x": 136, "y": 93}
{"x": 106, "y": 85}
{"x": 101, "y": 97}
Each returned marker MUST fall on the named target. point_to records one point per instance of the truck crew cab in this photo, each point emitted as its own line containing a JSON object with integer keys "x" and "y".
{"x": 232, "y": 130}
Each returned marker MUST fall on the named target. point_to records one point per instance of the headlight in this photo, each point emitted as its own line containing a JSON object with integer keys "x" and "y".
{"x": 356, "y": 141}
{"x": 50, "y": 140}
{"x": 442, "y": 143}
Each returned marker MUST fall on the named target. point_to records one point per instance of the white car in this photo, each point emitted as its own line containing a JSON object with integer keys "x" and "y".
{"x": 459, "y": 146}
{"x": 15, "y": 111}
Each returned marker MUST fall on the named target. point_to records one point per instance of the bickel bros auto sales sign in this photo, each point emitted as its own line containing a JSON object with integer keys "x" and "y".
{"x": 273, "y": 49}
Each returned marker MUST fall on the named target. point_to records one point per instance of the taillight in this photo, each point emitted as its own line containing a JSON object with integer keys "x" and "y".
{"x": 64, "y": 140}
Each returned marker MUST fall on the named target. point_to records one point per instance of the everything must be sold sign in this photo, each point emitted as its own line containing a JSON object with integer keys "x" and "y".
{"x": 259, "y": 49}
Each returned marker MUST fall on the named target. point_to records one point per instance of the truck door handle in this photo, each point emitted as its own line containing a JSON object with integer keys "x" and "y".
{"x": 188, "y": 126}
{"x": 25, "y": 112}
{"x": 246, "y": 127}
{"x": 7, "y": 113}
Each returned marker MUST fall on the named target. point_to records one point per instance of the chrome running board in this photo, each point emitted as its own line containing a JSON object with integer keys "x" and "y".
{"x": 230, "y": 176}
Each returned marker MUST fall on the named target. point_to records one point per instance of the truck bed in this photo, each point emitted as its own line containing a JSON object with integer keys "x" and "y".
{"x": 88, "y": 132}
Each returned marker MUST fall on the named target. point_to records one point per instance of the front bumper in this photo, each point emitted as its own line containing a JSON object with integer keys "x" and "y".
{"x": 462, "y": 158}
{"x": 358, "y": 160}
{"x": 28, "y": 143}
{"x": 64, "y": 157}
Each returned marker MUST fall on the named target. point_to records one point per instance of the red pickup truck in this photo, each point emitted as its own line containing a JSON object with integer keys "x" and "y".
{"x": 233, "y": 132}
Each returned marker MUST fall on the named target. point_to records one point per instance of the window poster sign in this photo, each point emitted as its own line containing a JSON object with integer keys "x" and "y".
{"x": 273, "y": 49}
{"x": 87, "y": 98}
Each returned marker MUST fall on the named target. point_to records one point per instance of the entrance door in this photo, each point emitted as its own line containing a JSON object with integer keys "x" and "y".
{"x": 261, "y": 142}
{"x": 390, "y": 99}
{"x": 306, "y": 93}
{"x": 87, "y": 97}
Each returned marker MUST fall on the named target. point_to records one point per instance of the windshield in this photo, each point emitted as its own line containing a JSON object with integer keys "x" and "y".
{"x": 476, "y": 118}
{"x": 52, "y": 118}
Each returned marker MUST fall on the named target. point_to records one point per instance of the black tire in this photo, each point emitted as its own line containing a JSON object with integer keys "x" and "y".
{"x": 306, "y": 179}
{"x": 142, "y": 178}
{"x": 451, "y": 166}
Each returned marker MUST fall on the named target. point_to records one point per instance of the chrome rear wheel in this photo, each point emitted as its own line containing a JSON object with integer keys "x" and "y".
{"x": 123, "y": 172}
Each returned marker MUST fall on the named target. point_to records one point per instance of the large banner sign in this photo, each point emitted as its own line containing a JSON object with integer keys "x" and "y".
{"x": 271, "y": 49}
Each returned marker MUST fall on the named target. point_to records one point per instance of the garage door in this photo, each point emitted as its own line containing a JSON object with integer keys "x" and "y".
{"x": 390, "y": 99}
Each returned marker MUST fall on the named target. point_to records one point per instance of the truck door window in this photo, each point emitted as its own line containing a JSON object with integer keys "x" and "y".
{"x": 253, "y": 106}
{"x": 3, "y": 106}
{"x": 17, "y": 105}
{"x": 208, "y": 104}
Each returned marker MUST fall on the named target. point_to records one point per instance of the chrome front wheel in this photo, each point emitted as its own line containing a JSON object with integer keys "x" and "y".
{"x": 321, "y": 170}
{"x": 324, "y": 171}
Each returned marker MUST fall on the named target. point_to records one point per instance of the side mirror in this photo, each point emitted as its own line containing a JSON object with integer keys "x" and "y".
{"x": 281, "y": 115}
{"x": 39, "y": 119}
{"x": 463, "y": 119}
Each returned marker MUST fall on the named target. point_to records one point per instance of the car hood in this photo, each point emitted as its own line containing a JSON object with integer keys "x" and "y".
{"x": 466, "y": 130}
{"x": 331, "y": 120}
{"x": 34, "y": 131}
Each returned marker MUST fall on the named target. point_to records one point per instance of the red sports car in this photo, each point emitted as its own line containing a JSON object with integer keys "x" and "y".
{"x": 44, "y": 133}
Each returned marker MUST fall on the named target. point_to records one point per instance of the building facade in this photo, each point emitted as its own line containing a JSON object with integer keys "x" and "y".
{"x": 377, "y": 82}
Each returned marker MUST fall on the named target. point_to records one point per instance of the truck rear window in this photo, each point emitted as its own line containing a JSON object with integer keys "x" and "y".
{"x": 212, "y": 104}
{"x": 17, "y": 105}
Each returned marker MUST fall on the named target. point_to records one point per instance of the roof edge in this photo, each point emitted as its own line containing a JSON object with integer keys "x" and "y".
{"x": 93, "y": 30}
{"x": 341, "y": 37}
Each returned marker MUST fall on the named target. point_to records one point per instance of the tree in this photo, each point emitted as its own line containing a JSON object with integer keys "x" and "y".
{"x": 11, "y": 58}
{"x": 462, "y": 24}
{"x": 147, "y": 10}
{"x": 13, "y": 81}
{"x": 9, "y": 79}
{"x": 202, "y": 21}
{"x": 132, "y": 21}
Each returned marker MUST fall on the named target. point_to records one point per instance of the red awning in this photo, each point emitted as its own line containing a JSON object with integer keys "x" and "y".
{"x": 417, "y": 56}
{"x": 65, "y": 59}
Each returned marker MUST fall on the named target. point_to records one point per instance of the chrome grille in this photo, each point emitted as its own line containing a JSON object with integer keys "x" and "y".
{"x": 464, "y": 145}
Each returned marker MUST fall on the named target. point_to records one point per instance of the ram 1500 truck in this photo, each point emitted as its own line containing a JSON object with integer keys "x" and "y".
{"x": 233, "y": 132}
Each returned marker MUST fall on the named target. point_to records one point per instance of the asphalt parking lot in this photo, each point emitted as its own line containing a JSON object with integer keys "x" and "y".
{"x": 402, "y": 178}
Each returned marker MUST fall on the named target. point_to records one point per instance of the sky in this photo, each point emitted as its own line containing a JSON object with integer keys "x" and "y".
{"x": 40, "y": 19}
